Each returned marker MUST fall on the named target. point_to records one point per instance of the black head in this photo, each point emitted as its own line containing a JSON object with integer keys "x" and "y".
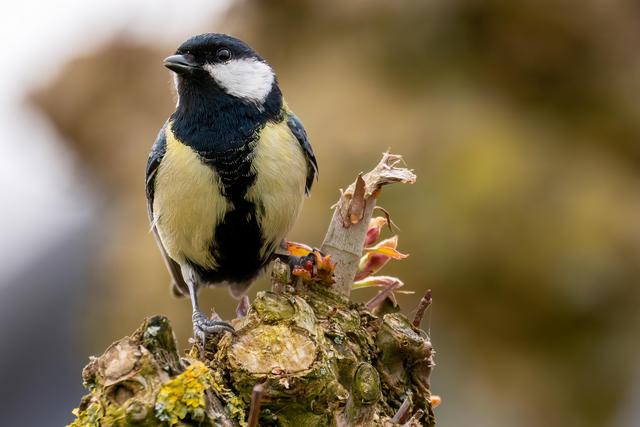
{"x": 218, "y": 63}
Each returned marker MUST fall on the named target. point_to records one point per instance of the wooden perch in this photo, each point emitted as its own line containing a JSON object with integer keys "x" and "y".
{"x": 351, "y": 215}
{"x": 303, "y": 354}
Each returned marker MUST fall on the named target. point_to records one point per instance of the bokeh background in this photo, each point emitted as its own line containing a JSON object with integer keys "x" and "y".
{"x": 520, "y": 118}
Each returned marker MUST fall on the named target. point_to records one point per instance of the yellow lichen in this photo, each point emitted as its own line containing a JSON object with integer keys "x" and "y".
{"x": 184, "y": 395}
{"x": 235, "y": 405}
{"x": 90, "y": 417}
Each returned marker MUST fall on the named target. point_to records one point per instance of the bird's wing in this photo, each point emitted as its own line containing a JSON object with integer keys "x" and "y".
{"x": 155, "y": 157}
{"x": 301, "y": 135}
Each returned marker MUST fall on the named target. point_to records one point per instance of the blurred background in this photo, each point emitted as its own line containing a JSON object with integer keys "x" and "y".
{"x": 521, "y": 120}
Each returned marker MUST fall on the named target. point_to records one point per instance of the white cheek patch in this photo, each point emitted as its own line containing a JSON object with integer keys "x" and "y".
{"x": 176, "y": 83}
{"x": 249, "y": 79}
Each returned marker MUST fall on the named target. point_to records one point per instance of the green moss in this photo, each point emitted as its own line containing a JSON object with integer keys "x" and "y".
{"x": 234, "y": 404}
{"x": 90, "y": 417}
{"x": 272, "y": 307}
{"x": 294, "y": 415}
{"x": 183, "y": 397}
{"x": 366, "y": 384}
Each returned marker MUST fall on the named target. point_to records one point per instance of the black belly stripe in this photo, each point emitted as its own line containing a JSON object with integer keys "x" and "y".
{"x": 238, "y": 238}
{"x": 233, "y": 166}
{"x": 236, "y": 248}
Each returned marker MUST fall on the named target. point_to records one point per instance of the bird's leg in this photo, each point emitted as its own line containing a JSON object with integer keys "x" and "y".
{"x": 203, "y": 326}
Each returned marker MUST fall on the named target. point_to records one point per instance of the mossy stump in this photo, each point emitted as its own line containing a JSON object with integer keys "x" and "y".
{"x": 321, "y": 361}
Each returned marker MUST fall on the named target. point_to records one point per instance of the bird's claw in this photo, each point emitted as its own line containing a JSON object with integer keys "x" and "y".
{"x": 306, "y": 261}
{"x": 202, "y": 326}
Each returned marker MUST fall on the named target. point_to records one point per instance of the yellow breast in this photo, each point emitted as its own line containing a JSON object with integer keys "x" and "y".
{"x": 187, "y": 204}
{"x": 278, "y": 190}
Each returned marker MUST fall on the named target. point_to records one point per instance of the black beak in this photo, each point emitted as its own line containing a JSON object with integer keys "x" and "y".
{"x": 181, "y": 64}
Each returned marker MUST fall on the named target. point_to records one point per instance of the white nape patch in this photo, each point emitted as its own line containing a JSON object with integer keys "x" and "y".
{"x": 245, "y": 78}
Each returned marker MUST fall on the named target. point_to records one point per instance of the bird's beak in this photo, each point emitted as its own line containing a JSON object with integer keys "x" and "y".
{"x": 181, "y": 64}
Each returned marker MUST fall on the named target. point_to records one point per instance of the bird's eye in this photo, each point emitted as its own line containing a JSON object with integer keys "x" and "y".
{"x": 223, "y": 55}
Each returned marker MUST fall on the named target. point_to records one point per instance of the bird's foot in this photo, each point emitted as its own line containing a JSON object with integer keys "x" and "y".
{"x": 204, "y": 327}
{"x": 314, "y": 265}
{"x": 300, "y": 255}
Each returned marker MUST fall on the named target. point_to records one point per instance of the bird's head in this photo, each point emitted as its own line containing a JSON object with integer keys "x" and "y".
{"x": 221, "y": 65}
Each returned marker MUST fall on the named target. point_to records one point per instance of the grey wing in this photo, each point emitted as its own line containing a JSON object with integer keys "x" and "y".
{"x": 301, "y": 135}
{"x": 155, "y": 157}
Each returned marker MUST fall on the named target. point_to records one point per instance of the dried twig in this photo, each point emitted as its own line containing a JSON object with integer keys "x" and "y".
{"x": 383, "y": 294}
{"x": 403, "y": 410}
{"x": 256, "y": 402}
{"x": 387, "y": 215}
{"x": 414, "y": 421}
{"x": 424, "y": 303}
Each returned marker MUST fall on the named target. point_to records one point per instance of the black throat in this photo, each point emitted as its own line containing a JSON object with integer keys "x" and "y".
{"x": 211, "y": 121}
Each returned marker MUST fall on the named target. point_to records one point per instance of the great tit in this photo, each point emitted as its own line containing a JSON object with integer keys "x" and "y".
{"x": 228, "y": 172}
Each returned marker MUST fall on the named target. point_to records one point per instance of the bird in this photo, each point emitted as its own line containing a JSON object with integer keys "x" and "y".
{"x": 228, "y": 172}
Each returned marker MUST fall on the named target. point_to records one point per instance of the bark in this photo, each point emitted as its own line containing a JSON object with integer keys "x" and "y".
{"x": 351, "y": 215}
{"x": 303, "y": 354}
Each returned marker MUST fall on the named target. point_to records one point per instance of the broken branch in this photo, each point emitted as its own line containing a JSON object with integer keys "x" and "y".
{"x": 346, "y": 234}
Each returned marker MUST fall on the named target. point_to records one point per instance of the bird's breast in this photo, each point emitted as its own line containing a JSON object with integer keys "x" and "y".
{"x": 188, "y": 204}
{"x": 278, "y": 190}
{"x": 226, "y": 213}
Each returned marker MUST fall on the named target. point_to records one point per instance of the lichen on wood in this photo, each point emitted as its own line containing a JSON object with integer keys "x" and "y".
{"x": 303, "y": 354}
